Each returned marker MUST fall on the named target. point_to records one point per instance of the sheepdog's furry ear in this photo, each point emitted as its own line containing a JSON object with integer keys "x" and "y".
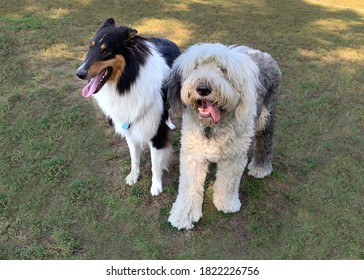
{"x": 246, "y": 104}
{"x": 247, "y": 84}
{"x": 173, "y": 85}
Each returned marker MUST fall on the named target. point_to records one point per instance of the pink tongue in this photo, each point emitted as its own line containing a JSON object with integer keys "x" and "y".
{"x": 91, "y": 87}
{"x": 209, "y": 107}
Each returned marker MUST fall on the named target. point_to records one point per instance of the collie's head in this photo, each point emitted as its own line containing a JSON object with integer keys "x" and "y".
{"x": 214, "y": 81}
{"x": 115, "y": 55}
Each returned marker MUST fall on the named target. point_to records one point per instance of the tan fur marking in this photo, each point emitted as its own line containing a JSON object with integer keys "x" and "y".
{"x": 118, "y": 68}
{"x": 103, "y": 46}
{"x": 117, "y": 64}
{"x": 132, "y": 33}
{"x": 95, "y": 69}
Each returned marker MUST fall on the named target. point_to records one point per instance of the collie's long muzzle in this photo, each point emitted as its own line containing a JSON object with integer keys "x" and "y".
{"x": 96, "y": 82}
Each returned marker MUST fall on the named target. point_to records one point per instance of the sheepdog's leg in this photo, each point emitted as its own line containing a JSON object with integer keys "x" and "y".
{"x": 135, "y": 149}
{"x": 261, "y": 164}
{"x": 226, "y": 187}
{"x": 160, "y": 159}
{"x": 187, "y": 208}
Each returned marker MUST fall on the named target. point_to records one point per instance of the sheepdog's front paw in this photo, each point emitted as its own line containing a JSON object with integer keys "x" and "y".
{"x": 227, "y": 206}
{"x": 183, "y": 217}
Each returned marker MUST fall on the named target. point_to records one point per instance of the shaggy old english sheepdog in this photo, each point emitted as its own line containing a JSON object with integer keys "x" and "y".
{"x": 228, "y": 95}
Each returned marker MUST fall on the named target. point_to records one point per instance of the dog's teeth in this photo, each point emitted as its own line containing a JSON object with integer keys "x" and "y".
{"x": 103, "y": 77}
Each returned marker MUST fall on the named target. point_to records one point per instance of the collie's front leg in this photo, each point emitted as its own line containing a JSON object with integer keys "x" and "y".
{"x": 187, "y": 208}
{"x": 135, "y": 150}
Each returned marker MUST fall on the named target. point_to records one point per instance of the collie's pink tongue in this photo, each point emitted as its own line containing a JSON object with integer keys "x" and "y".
{"x": 91, "y": 87}
{"x": 208, "y": 109}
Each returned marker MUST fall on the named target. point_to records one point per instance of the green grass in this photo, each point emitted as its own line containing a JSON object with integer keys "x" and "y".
{"x": 62, "y": 169}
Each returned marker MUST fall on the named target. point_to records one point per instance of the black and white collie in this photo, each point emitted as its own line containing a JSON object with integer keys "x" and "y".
{"x": 127, "y": 74}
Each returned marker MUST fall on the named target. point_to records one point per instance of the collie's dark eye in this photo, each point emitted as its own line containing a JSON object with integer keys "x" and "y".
{"x": 105, "y": 54}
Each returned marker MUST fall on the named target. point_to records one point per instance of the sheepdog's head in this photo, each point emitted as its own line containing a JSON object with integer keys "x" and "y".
{"x": 214, "y": 82}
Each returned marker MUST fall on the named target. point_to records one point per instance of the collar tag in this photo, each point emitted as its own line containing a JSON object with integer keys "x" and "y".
{"x": 125, "y": 125}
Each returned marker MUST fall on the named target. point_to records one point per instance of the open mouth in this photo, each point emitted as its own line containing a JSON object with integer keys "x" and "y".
{"x": 97, "y": 82}
{"x": 208, "y": 109}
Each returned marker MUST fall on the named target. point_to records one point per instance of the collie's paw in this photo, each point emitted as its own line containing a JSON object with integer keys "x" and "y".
{"x": 132, "y": 178}
{"x": 156, "y": 189}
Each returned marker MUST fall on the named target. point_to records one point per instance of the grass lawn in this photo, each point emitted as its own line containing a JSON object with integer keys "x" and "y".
{"x": 62, "y": 169}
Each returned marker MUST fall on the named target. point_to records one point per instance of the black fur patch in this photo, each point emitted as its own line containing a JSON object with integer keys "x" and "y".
{"x": 166, "y": 48}
{"x": 135, "y": 53}
{"x": 170, "y": 52}
{"x": 161, "y": 139}
{"x": 110, "y": 122}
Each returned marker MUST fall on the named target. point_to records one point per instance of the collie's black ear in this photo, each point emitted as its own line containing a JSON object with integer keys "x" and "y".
{"x": 173, "y": 85}
{"x": 109, "y": 23}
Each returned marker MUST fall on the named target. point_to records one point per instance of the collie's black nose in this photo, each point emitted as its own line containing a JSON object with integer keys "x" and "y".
{"x": 81, "y": 73}
{"x": 203, "y": 90}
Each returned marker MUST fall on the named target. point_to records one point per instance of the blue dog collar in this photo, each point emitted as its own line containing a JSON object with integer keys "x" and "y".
{"x": 125, "y": 125}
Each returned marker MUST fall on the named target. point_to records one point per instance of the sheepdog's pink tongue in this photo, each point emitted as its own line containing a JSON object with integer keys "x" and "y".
{"x": 208, "y": 109}
{"x": 91, "y": 87}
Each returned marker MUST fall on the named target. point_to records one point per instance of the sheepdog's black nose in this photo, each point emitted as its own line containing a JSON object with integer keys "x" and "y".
{"x": 203, "y": 90}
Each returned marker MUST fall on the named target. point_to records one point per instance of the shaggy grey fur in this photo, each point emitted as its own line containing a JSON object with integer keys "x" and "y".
{"x": 270, "y": 79}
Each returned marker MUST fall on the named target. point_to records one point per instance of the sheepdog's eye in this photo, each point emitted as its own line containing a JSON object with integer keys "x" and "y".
{"x": 223, "y": 70}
